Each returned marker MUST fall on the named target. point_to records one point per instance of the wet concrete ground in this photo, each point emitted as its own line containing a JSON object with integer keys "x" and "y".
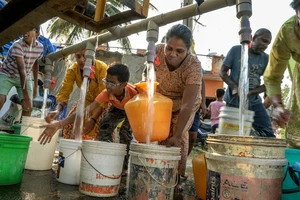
{"x": 42, "y": 185}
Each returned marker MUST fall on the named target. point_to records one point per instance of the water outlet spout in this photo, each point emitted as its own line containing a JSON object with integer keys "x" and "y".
{"x": 89, "y": 57}
{"x": 244, "y": 12}
{"x": 48, "y": 72}
{"x": 152, "y": 38}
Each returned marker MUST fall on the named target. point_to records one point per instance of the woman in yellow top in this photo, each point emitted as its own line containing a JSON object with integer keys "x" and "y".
{"x": 95, "y": 86}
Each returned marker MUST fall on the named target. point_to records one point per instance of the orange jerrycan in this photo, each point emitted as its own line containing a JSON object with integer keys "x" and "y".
{"x": 199, "y": 169}
{"x": 138, "y": 117}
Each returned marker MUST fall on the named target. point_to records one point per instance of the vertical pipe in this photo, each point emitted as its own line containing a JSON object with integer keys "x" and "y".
{"x": 100, "y": 8}
{"x": 48, "y": 72}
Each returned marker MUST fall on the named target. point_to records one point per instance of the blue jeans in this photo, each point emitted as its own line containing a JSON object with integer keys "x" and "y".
{"x": 262, "y": 122}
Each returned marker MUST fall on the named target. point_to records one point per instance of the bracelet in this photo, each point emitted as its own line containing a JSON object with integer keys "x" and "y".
{"x": 93, "y": 119}
{"x": 60, "y": 123}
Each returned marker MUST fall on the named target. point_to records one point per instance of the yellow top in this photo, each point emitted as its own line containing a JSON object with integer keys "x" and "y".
{"x": 74, "y": 75}
{"x": 286, "y": 44}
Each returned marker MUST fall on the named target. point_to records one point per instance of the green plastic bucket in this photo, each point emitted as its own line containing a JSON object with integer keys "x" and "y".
{"x": 293, "y": 156}
{"x": 13, "y": 153}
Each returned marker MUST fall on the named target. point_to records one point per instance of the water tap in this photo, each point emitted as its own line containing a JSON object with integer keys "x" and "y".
{"x": 244, "y": 12}
{"x": 152, "y": 37}
{"x": 89, "y": 57}
{"x": 48, "y": 72}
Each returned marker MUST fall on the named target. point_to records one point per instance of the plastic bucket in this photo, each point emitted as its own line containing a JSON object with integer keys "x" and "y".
{"x": 153, "y": 171}
{"x": 229, "y": 121}
{"x": 293, "y": 156}
{"x": 13, "y": 153}
{"x": 40, "y": 157}
{"x": 101, "y": 168}
{"x": 68, "y": 170}
{"x": 244, "y": 167}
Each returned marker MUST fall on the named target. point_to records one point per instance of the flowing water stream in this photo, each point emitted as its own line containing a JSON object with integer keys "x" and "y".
{"x": 43, "y": 110}
{"x": 78, "y": 124}
{"x": 150, "y": 79}
{"x": 243, "y": 88}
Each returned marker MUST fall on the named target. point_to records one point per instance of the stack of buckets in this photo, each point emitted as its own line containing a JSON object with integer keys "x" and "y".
{"x": 153, "y": 171}
{"x": 241, "y": 167}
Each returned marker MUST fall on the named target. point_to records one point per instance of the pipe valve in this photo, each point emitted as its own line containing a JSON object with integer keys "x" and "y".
{"x": 244, "y": 12}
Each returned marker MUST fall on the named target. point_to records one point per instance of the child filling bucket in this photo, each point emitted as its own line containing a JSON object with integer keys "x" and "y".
{"x": 153, "y": 171}
{"x": 101, "y": 168}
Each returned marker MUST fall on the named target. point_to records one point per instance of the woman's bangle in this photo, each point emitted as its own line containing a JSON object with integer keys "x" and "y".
{"x": 93, "y": 119}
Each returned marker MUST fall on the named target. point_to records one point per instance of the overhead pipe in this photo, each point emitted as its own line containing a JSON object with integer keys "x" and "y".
{"x": 160, "y": 20}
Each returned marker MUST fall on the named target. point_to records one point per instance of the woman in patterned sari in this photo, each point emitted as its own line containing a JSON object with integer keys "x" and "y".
{"x": 179, "y": 74}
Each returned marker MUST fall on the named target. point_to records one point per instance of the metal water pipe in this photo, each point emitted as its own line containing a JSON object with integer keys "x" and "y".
{"x": 160, "y": 20}
{"x": 48, "y": 73}
{"x": 244, "y": 12}
{"x": 152, "y": 38}
{"x": 90, "y": 51}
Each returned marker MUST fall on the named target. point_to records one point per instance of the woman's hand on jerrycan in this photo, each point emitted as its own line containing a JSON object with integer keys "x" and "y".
{"x": 173, "y": 141}
{"x": 48, "y": 133}
{"x": 52, "y": 116}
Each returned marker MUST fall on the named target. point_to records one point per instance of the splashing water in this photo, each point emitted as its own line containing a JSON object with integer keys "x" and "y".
{"x": 150, "y": 79}
{"x": 46, "y": 92}
{"x": 243, "y": 88}
{"x": 78, "y": 124}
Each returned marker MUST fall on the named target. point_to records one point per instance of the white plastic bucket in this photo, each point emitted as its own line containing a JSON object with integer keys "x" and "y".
{"x": 68, "y": 170}
{"x": 101, "y": 168}
{"x": 153, "y": 171}
{"x": 229, "y": 121}
{"x": 240, "y": 167}
{"x": 40, "y": 157}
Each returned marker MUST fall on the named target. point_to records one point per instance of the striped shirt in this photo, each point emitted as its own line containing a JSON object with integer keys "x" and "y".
{"x": 21, "y": 49}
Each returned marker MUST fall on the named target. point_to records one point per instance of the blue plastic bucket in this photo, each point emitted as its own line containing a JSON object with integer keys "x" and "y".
{"x": 292, "y": 155}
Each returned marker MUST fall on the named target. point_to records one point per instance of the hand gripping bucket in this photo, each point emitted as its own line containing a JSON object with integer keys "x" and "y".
{"x": 69, "y": 162}
{"x": 153, "y": 171}
{"x": 13, "y": 153}
{"x": 40, "y": 157}
{"x": 240, "y": 167}
{"x": 101, "y": 168}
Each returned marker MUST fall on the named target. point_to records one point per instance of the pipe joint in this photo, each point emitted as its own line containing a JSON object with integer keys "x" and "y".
{"x": 245, "y": 31}
{"x": 89, "y": 58}
{"x": 243, "y": 8}
{"x": 48, "y": 72}
{"x": 152, "y": 38}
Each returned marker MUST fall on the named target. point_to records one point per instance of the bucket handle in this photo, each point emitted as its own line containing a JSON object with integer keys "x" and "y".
{"x": 62, "y": 160}
{"x": 165, "y": 186}
{"x": 110, "y": 177}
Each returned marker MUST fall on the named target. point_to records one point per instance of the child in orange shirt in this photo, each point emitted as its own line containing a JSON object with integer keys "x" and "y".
{"x": 118, "y": 92}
